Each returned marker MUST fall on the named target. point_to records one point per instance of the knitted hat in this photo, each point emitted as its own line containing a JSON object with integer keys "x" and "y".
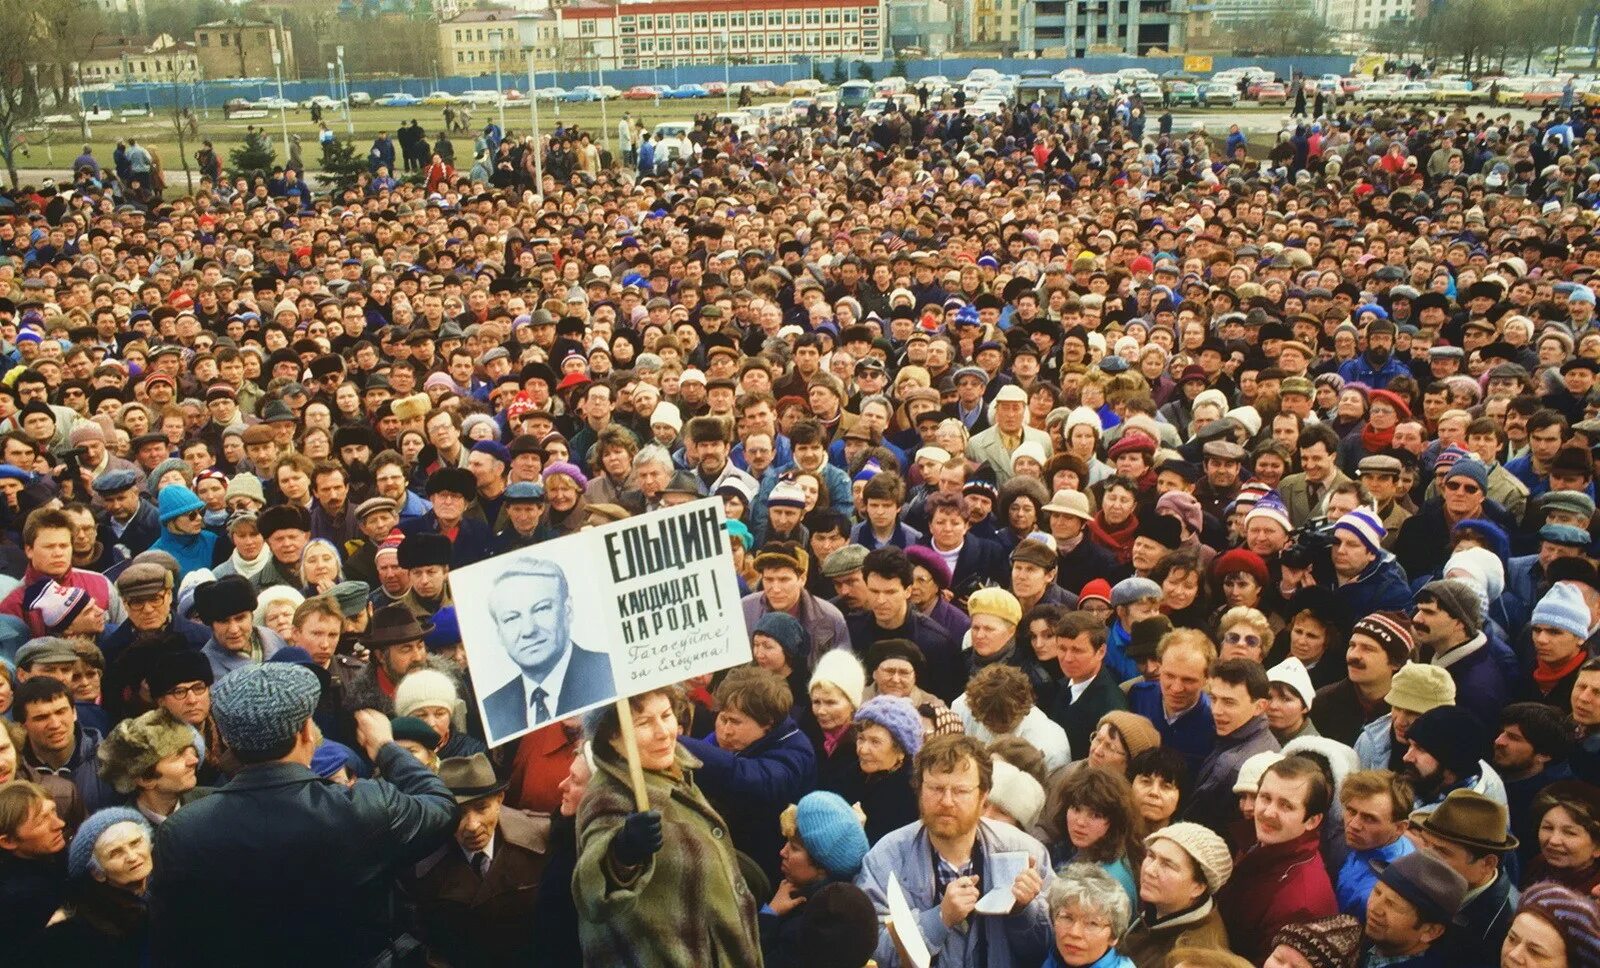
{"x": 1253, "y": 769}
{"x": 1328, "y": 943}
{"x": 896, "y": 715}
{"x": 1016, "y": 794}
{"x": 423, "y": 688}
{"x": 80, "y": 853}
{"x": 841, "y": 669}
{"x": 260, "y": 708}
{"x": 1472, "y": 469}
{"x": 787, "y": 494}
{"x": 1574, "y": 915}
{"x": 1208, "y": 851}
{"x": 1097, "y": 590}
{"x": 790, "y": 635}
{"x": 1240, "y": 560}
{"x": 1428, "y": 883}
{"x": 1478, "y": 567}
{"x": 331, "y": 757}
{"x": 245, "y": 485}
{"x": 1134, "y": 589}
{"x": 1270, "y": 508}
{"x": 1366, "y": 528}
{"x": 1562, "y": 607}
{"x": 997, "y": 602}
{"x": 831, "y": 833}
{"x": 1292, "y": 673}
{"x": 1421, "y": 686}
{"x": 53, "y": 604}
{"x": 1138, "y": 733}
{"x": 925, "y": 557}
{"x": 838, "y": 928}
{"x": 176, "y": 501}
{"x": 1456, "y": 599}
{"x": 1391, "y": 631}
{"x": 1452, "y": 736}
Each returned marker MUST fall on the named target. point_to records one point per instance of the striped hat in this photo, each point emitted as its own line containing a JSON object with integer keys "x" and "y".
{"x": 1391, "y": 630}
{"x": 1575, "y": 916}
{"x": 1249, "y": 494}
{"x": 1365, "y": 526}
{"x": 1272, "y": 508}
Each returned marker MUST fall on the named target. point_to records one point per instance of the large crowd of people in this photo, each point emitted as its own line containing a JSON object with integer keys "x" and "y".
{"x": 1160, "y": 548}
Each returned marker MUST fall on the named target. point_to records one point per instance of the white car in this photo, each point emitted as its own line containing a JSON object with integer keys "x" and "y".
{"x": 323, "y": 101}
{"x": 275, "y": 103}
{"x": 481, "y": 97}
{"x": 360, "y": 97}
{"x": 674, "y": 143}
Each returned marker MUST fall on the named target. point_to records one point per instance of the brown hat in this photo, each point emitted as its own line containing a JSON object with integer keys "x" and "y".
{"x": 257, "y": 434}
{"x": 1145, "y": 636}
{"x": 1328, "y": 943}
{"x": 1031, "y": 551}
{"x": 394, "y": 625}
{"x": 1469, "y": 818}
{"x": 1138, "y": 734}
{"x": 603, "y": 513}
{"x": 143, "y": 580}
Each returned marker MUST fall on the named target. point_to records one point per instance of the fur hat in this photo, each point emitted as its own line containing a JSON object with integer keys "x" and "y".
{"x": 423, "y": 549}
{"x": 1016, "y": 794}
{"x": 416, "y": 405}
{"x": 841, "y": 669}
{"x": 136, "y": 745}
{"x": 225, "y": 597}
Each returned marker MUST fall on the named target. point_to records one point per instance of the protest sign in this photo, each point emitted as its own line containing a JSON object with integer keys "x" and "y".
{"x": 555, "y": 629}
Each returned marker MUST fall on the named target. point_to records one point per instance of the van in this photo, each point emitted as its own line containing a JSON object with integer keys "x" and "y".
{"x": 854, "y": 94}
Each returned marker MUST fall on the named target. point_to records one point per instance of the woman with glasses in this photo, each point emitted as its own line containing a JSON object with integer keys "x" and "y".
{"x": 183, "y": 532}
{"x": 1089, "y": 911}
{"x": 1243, "y": 633}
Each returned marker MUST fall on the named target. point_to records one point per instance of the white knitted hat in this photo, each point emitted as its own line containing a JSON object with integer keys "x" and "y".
{"x": 1292, "y": 673}
{"x": 429, "y": 687}
{"x": 1208, "y": 851}
{"x": 842, "y": 670}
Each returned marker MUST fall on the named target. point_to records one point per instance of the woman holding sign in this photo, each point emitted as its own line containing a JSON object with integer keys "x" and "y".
{"x": 661, "y": 886}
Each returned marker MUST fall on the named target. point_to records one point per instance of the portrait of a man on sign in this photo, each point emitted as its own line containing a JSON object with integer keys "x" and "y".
{"x": 531, "y": 607}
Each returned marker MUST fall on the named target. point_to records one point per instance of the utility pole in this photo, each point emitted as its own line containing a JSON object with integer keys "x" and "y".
{"x": 283, "y": 119}
{"x": 499, "y": 84}
{"x": 344, "y": 88}
{"x": 533, "y": 106}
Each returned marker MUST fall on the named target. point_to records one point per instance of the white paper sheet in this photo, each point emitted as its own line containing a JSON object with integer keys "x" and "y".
{"x": 903, "y": 922}
{"x": 1001, "y": 873}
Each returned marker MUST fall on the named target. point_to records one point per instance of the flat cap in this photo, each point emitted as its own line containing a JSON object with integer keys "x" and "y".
{"x": 114, "y": 482}
{"x": 844, "y": 561}
{"x": 260, "y": 708}
{"x": 143, "y": 580}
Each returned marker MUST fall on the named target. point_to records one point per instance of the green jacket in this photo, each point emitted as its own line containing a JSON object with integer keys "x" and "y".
{"x": 689, "y": 907}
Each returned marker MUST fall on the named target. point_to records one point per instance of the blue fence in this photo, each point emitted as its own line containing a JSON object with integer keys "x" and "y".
{"x": 214, "y": 93}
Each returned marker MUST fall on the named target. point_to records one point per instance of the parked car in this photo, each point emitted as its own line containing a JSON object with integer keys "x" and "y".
{"x": 1272, "y": 93}
{"x": 583, "y": 93}
{"x": 398, "y": 100}
{"x": 1182, "y": 92}
{"x": 717, "y": 88}
{"x": 360, "y": 98}
{"x": 685, "y": 92}
{"x": 640, "y": 92}
{"x": 551, "y": 93}
{"x": 1547, "y": 92}
{"x": 440, "y": 99}
{"x": 1219, "y": 95}
{"x": 480, "y": 98}
{"x": 321, "y": 100}
{"x": 275, "y": 103}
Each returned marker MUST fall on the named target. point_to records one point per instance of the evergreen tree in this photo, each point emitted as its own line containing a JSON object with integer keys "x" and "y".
{"x": 341, "y": 165}
{"x": 899, "y": 64}
{"x": 254, "y": 156}
{"x": 864, "y": 71}
{"x": 839, "y": 76}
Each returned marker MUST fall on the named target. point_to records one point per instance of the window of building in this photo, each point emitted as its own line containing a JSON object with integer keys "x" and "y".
{"x": 775, "y": 41}
{"x": 757, "y": 42}
{"x": 852, "y": 40}
{"x": 719, "y": 20}
{"x": 736, "y": 19}
{"x": 681, "y": 21}
{"x": 852, "y": 15}
{"x": 702, "y": 42}
{"x": 205, "y": 40}
{"x": 700, "y": 21}
{"x": 586, "y": 28}
{"x": 813, "y": 17}
{"x": 222, "y": 40}
{"x": 830, "y": 39}
{"x": 683, "y": 43}
{"x": 737, "y": 41}
{"x": 647, "y": 22}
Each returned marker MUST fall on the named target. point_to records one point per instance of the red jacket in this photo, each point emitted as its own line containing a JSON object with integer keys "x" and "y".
{"x": 1274, "y": 885}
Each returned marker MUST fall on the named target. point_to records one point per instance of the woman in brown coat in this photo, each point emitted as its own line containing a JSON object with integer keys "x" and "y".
{"x": 1184, "y": 866}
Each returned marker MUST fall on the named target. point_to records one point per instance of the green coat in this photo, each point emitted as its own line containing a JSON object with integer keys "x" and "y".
{"x": 689, "y": 907}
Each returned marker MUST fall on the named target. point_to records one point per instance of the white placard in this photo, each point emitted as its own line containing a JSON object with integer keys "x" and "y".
{"x": 903, "y": 922}
{"x": 556, "y": 629}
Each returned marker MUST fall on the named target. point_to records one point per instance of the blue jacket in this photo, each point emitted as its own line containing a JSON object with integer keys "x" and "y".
{"x": 1359, "y": 370}
{"x": 904, "y": 536}
{"x": 1381, "y": 587}
{"x": 1354, "y": 884}
{"x": 193, "y": 551}
{"x": 1192, "y": 734}
{"x": 751, "y": 787}
{"x": 1481, "y": 685}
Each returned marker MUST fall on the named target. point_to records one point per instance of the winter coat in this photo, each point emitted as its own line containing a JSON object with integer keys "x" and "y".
{"x": 888, "y": 801}
{"x": 837, "y": 772}
{"x": 821, "y": 619}
{"x": 1274, "y": 885}
{"x": 1359, "y": 873}
{"x": 944, "y": 671}
{"x": 474, "y": 922}
{"x": 225, "y": 860}
{"x": 1192, "y": 734}
{"x": 30, "y": 892}
{"x": 1008, "y": 941}
{"x": 688, "y": 906}
{"x": 751, "y": 787}
{"x": 1380, "y": 587}
{"x": 1213, "y": 802}
{"x": 224, "y": 661}
{"x": 1078, "y": 717}
{"x": 107, "y": 927}
{"x": 1481, "y": 686}
{"x": 1149, "y": 938}
{"x": 193, "y": 551}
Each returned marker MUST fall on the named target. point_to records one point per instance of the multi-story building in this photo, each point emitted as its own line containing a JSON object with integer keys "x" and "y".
{"x": 1232, "y": 13}
{"x": 160, "y": 59}
{"x": 1363, "y": 16}
{"x": 243, "y": 48}
{"x": 1076, "y": 28}
{"x": 672, "y": 32}
{"x": 926, "y": 25}
{"x": 994, "y": 23}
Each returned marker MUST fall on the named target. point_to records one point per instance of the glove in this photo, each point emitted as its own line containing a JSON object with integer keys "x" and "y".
{"x": 638, "y": 840}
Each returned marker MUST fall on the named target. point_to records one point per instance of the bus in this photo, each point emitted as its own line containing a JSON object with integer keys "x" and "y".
{"x": 854, "y": 94}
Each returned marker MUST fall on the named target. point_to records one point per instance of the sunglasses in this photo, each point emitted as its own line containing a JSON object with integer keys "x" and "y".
{"x": 1236, "y": 638}
{"x": 1465, "y": 486}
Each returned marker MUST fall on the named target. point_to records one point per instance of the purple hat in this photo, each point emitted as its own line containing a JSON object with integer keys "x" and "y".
{"x": 933, "y": 561}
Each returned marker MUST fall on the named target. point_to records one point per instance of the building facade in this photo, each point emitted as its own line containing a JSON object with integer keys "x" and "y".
{"x": 156, "y": 60}
{"x": 665, "y": 33}
{"x": 243, "y": 48}
{"x": 1078, "y": 28}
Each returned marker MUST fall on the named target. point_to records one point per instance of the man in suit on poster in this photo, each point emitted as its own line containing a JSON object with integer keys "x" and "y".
{"x": 531, "y": 606}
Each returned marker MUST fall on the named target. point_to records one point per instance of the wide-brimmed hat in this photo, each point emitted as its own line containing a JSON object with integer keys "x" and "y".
{"x": 1468, "y": 818}
{"x": 470, "y": 777}
{"x": 393, "y": 625}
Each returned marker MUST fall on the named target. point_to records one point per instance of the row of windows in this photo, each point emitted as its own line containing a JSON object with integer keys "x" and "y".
{"x": 467, "y": 35}
{"x": 755, "y": 18}
{"x": 650, "y": 63}
{"x": 140, "y": 67}
{"x": 487, "y": 56}
{"x": 830, "y": 40}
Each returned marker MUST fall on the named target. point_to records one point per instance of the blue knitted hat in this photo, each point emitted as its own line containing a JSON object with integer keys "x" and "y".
{"x": 176, "y": 501}
{"x": 81, "y": 851}
{"x": 896, "y": 715}
{"x": 1562, "y": 608}
{"x": 831, "y": 833}
{"x": 782, "y": 628}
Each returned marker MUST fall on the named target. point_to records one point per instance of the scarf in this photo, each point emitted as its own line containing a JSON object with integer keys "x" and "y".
{"x": 248, "y": 568}
{"x": 1546, "y": 677}
{"x": 831, "y": 738}
{"x": 1117, "y": 540}
{"x": 1375, "y": 441}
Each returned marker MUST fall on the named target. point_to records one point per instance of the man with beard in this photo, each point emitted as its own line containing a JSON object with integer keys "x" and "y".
{"x": 1441, "y": 755}
{"x": 395, "y": 639}
{"x": 1377, "y": 365}
{"x": 1530, "y": 753}
{"x": 954, "y": 841}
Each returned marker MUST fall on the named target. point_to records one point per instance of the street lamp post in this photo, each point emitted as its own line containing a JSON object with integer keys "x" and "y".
{"x": 727, "y": 69}
{"x": 600, "y": 74}
{"x": 283, "y": 119}
{"x": 499, "y": 83}
{"x": 533, "y": 107}
{"x": 344, "y": 88}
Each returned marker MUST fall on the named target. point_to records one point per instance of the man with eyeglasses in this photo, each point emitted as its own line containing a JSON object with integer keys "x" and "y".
{"x": 179, "y": 682}
{"x": 1463, "y": 494}
{"x": 147, "y": 593}
{"x": 952, "y": 839}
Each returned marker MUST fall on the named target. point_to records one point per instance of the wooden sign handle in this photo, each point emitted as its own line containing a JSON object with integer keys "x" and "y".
{"x": 630, "y": 746}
